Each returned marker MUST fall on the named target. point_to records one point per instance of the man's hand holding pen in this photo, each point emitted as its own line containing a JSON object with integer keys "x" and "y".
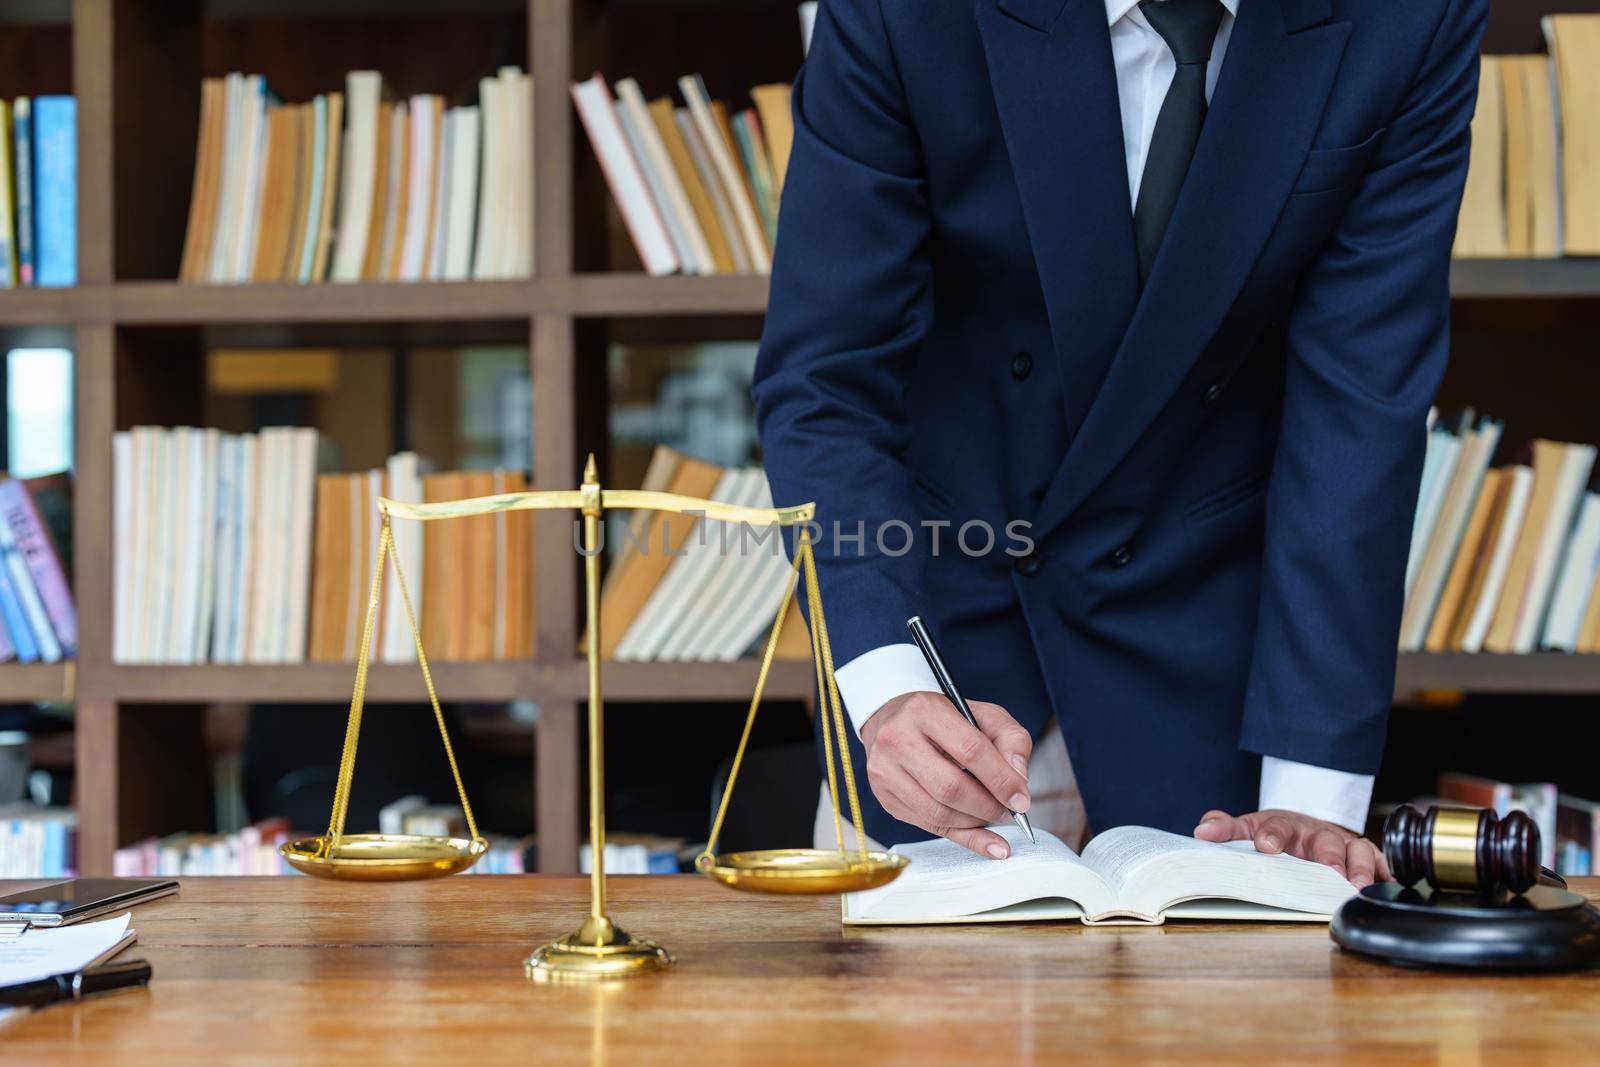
{"x": 930, "y": 768}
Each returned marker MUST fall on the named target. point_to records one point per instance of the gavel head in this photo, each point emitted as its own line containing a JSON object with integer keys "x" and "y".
{"x": 1462, "y": 849}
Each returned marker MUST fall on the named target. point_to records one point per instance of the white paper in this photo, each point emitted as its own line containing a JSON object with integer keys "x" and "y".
{"x": 40, "y": 953}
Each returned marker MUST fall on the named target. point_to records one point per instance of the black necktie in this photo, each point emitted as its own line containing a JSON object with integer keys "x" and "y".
{"x": 1190, "y": 29}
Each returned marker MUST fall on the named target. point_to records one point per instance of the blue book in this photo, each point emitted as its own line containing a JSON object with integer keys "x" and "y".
{"x": 55, "y": 848}
{"x": 55, "y": 193}
{"x": 16, "y": 622}
{"x": 22, "y": 150}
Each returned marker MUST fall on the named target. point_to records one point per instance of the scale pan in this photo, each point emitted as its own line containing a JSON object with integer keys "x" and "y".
{"x": 803, "y": 870}
{"x": 384, "y": 857}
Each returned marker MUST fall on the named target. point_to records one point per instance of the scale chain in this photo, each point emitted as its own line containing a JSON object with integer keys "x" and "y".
{"x": 427, "y": 679}
{"x": 819, "y": 635}
{"x": 352, "y": 733}
{"x": 750, "y": 720}
{"x": 341, "y": 793}
{"x": 832, "y": 717}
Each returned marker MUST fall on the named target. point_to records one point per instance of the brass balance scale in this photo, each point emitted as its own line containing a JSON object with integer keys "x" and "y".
{"x": 599, "y": 949}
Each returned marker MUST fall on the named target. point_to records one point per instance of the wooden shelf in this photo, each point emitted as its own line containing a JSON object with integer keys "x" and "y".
{"x": 1540, "y": 672}
{"x": 315, "y": 683}
{"x": 690, "y": 682}
{"x": 156, "y": 303}
{"x": 654, "y": 682}
{"x": 219, "y": 10}
{"x": 38, "y": 307}
{"x": 38, "y": 12}
{"x": 494, "y": 682}
{"x": 1499, "y": 279}
{"x": 595, "y": 295}
{"x": 175, "y": 303}
{"x": 639, "y": 294}
{"x": 28, "y": 682}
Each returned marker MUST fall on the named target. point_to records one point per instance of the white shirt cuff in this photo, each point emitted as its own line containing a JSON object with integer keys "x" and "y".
{"x": 874, "y": 678}
{"x": 1334, "y": 796}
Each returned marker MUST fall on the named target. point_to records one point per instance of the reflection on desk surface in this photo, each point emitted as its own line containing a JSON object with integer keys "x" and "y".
{"x": 296, "y": 970}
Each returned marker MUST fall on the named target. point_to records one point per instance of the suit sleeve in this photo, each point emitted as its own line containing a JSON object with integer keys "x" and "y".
{"x": 849, "y": 306}
{"x": 1368, "y": 340}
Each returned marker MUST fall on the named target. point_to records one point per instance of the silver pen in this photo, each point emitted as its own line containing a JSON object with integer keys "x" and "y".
{"x": 924, "y": 640}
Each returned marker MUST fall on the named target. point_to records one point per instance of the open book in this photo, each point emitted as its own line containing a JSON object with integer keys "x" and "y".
{"x": 1128, "y": 875}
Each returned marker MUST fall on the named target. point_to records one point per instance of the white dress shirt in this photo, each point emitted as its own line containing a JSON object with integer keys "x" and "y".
{"x": 1144, "y": 71}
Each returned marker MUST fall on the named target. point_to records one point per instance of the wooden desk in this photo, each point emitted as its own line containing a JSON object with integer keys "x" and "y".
{"x": 293, "y": 970}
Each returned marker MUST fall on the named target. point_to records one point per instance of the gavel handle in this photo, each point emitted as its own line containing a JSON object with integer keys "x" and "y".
{"x": 1551, "y": 878}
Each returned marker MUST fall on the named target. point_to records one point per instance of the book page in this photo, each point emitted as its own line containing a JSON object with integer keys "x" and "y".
{"x": 1150, "y": 870}
{"x": 945, "y": 881}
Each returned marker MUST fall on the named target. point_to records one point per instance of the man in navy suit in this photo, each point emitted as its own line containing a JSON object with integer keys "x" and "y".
{"x": 1157, "y": 295}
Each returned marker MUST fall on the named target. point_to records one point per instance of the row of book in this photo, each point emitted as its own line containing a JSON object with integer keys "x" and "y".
{"x": 231, "y": 549}
{"x": 414, "y": 815}
{"x": 470, "y": 580}
{"x": 252, "y": 850}
{"x": 355, "y": 186}
{"x": 686, "y": 588}
{"x": 38, "y": 619}
{"x": 1504, "y": 559}
{"x": 1532, "y": 189}
{"x": 38, "y": 191}
{"x": 38, "y": 842}
{"x": 697, "y": 187}
{"x": 637, "y": 854}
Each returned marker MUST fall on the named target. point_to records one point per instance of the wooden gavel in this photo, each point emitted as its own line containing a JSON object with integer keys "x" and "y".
{"x": 1462, "y": 849}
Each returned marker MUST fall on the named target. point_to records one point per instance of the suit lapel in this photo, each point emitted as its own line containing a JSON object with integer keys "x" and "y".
{"x": 1055, "y": 87}
{"x": 1265, "y": 110}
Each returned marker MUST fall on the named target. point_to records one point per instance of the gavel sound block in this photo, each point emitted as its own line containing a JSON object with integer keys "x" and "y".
{"x": 1469, "y": 893}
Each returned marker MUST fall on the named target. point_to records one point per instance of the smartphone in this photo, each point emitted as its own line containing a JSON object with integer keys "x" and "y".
{"x": 64, "y": 903}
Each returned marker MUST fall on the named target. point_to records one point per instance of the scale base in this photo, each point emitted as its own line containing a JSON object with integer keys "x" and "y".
{"x": 1544, "y": 929}
{"x": 597, "y": 951}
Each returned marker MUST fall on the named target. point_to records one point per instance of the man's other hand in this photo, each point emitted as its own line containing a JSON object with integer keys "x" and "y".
{"x": 930, "y": 768}
{"x": 1360, "y": 861}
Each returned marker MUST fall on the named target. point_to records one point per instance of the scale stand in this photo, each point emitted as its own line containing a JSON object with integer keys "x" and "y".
{"x": 598, "y": 949}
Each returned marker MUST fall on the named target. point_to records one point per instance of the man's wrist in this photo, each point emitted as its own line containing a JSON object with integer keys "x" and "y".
{"x": 1339, "y": 797}
{"x": 874, "y": 678}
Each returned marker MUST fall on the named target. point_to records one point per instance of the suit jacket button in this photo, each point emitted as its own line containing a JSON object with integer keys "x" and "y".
{"x": 1021, "y": 365}
{"x": 1213, "y": 391}
{"x": 1028, "y": 566}
{"x": 1122, "y": 556}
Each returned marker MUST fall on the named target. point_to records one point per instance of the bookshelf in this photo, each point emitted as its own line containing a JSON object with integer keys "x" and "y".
{"x": 136, "y": 65}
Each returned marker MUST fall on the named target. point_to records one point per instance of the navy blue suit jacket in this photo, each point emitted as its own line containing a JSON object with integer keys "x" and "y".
{"x": 1219, "y": 521}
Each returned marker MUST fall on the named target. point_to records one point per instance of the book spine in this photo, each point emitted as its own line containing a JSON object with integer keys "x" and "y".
{"x": 36, "y": 620}
{"x": 596, "y": 111}
{"x": 16, "y": 621}
{"x": 23, "y": 130}
{"x": 750, "y": 150}
{"x": 43, "y": 562}
{"x": 8, "y": 213}
{"x": 211, "y": 446}
{"x": 244, "y": 552}
{"x": 308, "y": 250}
{"x": 55, "y": 848}
{"x": 8, "y": 650}
{"x": 56, "y": 198}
